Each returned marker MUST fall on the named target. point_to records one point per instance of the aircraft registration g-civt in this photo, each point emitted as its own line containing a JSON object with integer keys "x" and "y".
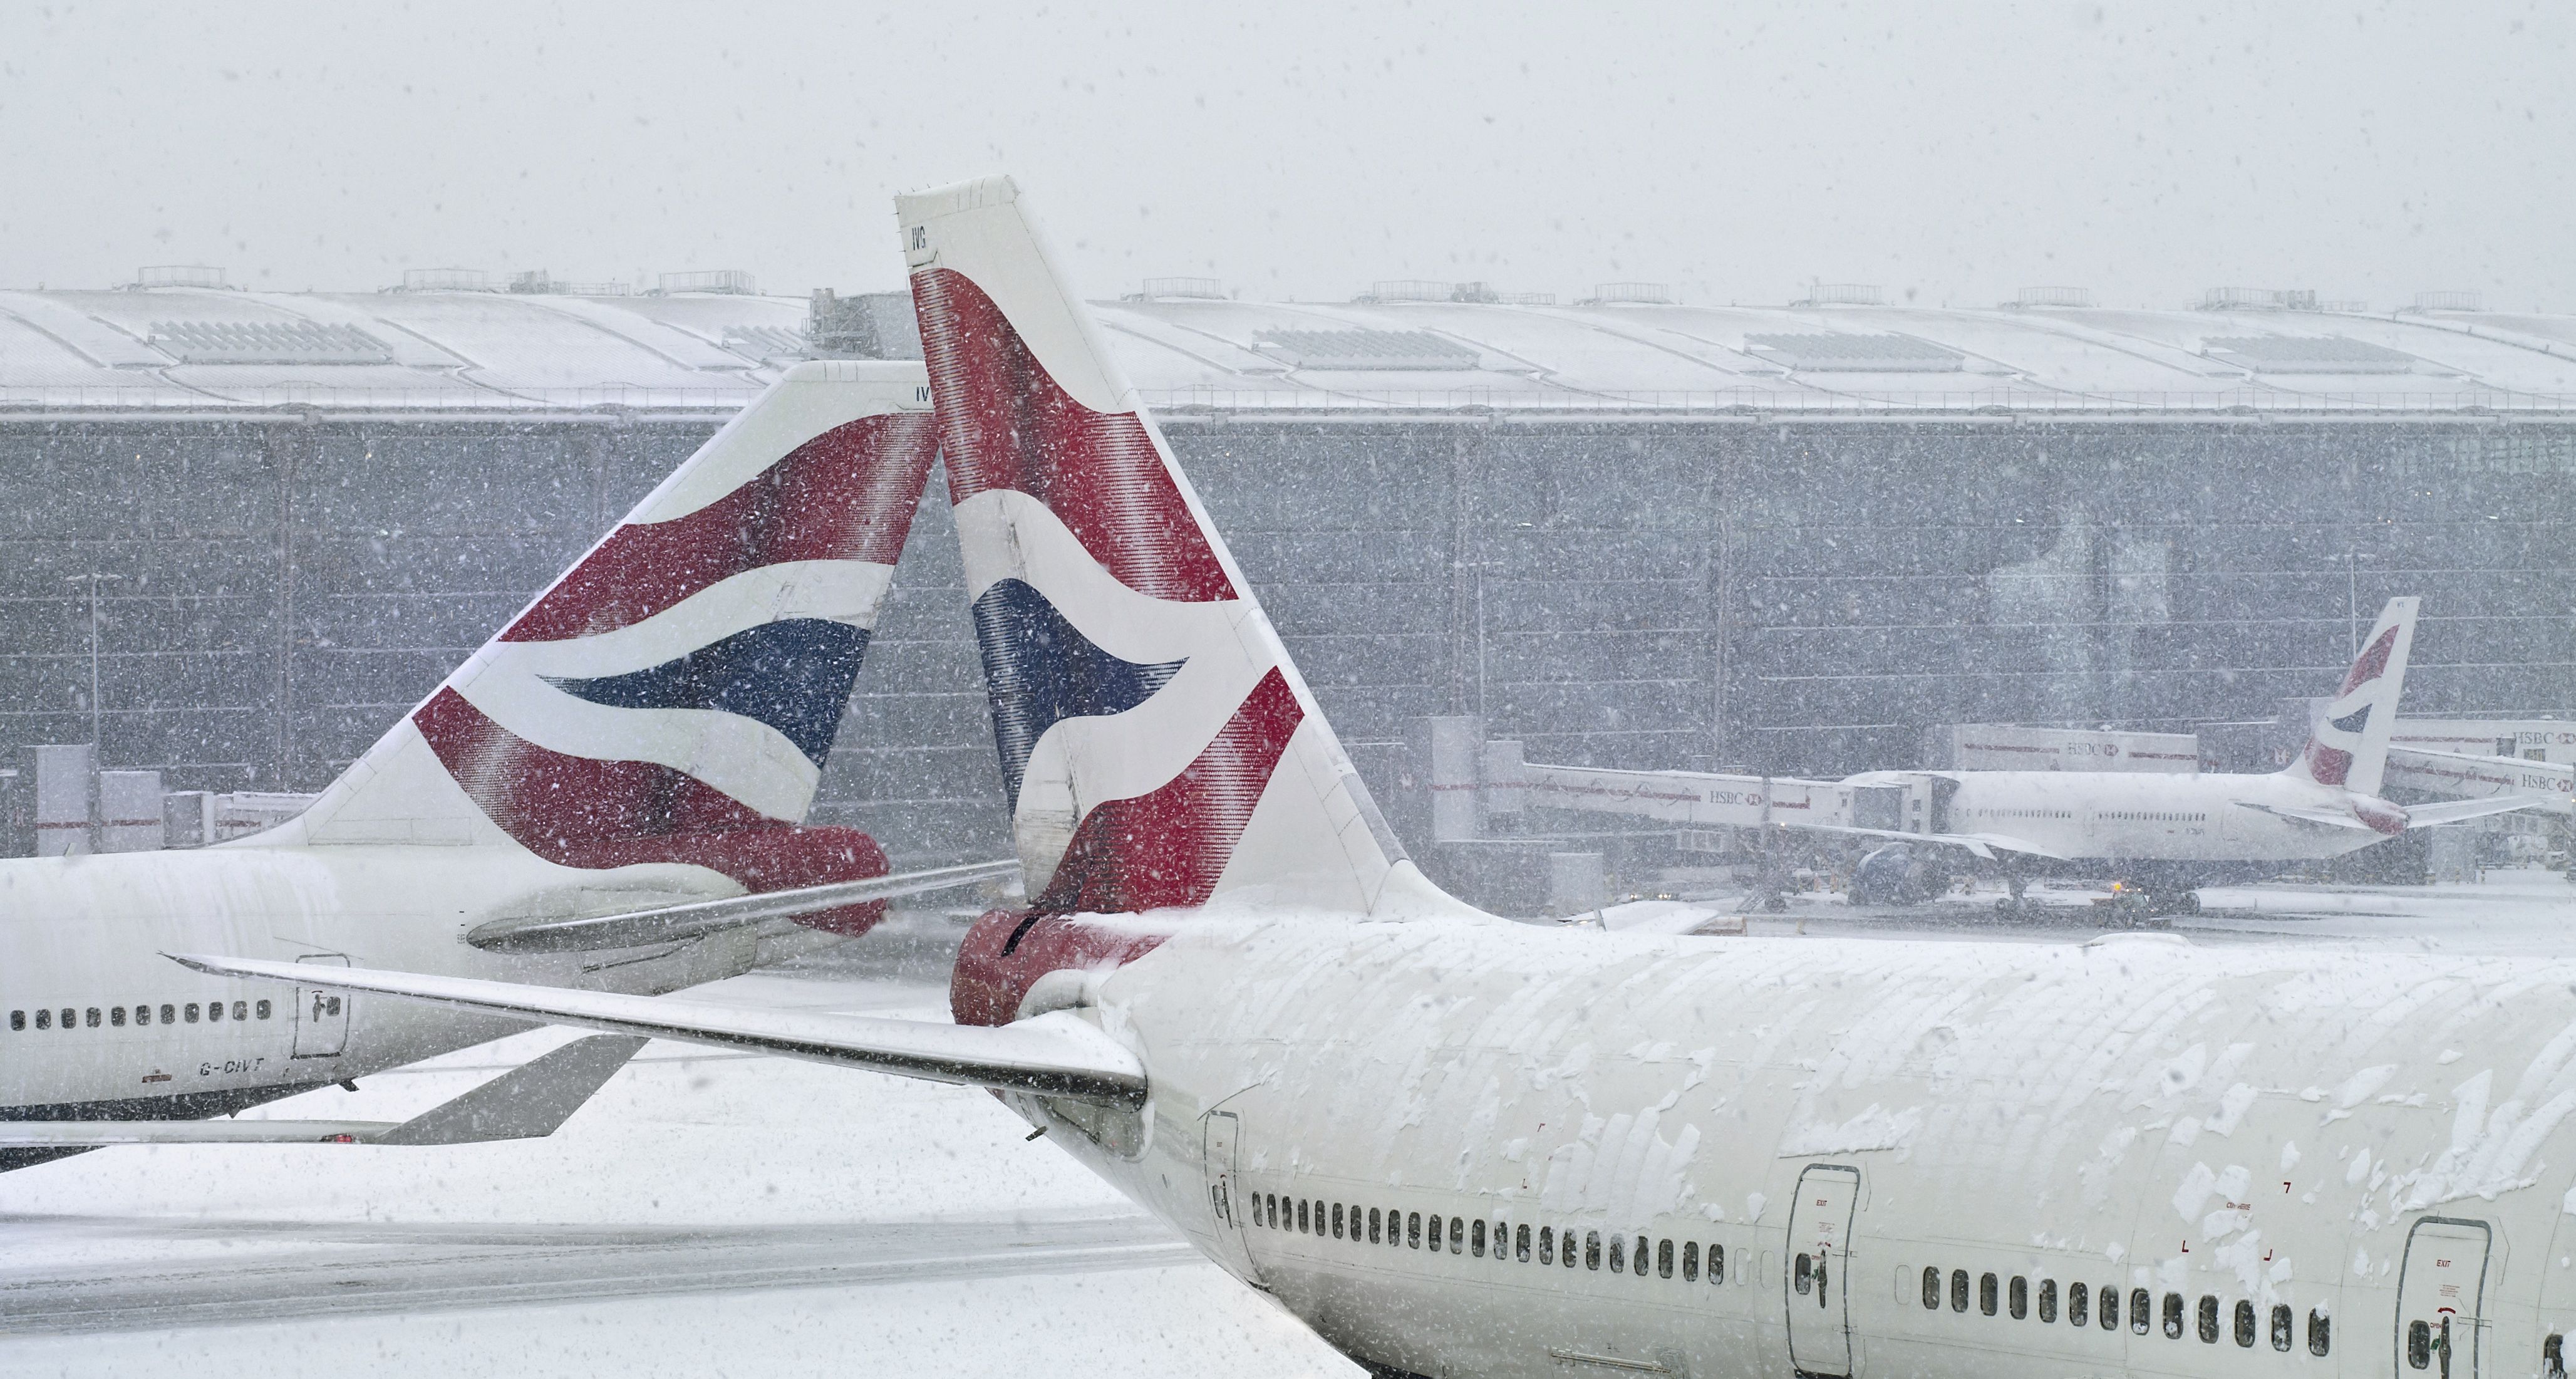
{"x": 611, "y": 793}
{"x": 1455, "y": 1145}
{"x": 2163, "y": 835}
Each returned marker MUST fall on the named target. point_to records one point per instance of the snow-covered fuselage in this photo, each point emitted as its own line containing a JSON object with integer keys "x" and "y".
{"x": 85, "y": 938}
{"x": 2171, "y": 829}
{"x": 1864, "y": 1158}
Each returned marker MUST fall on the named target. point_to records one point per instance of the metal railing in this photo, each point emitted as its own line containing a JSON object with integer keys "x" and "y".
{"x": 452, "y": 397}
{"x": 1535, "y": 402}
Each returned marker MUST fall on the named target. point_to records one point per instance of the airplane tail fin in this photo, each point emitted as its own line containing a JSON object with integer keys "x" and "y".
{"x": 1158, "y": 748}
{"x": 2348, "y": 744}
{"x": 671, "y": 697}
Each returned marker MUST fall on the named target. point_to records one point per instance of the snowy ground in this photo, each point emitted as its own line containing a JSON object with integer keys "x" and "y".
{"x": 704, "y": 1215}
{"x": 726, "y": 1214}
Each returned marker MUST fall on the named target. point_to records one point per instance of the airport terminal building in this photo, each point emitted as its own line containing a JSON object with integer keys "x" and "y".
{"x": 1625, "y": 531}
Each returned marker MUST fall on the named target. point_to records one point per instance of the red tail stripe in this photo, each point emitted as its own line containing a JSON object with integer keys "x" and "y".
{"x": 2371, "y": 664}
{"x": 847, "y": 494}
{"x": 580, "y": 812}
{"x": 1003, "y": 423}
{"x": 1167, "y": 847}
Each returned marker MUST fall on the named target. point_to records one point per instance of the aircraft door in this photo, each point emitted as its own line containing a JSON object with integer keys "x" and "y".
{"x": 2440, "y": 1294}
{"x": 321, "y": 1015}
{"x": 1229, "y": 1215}
{"x": 1820, "y": 1227}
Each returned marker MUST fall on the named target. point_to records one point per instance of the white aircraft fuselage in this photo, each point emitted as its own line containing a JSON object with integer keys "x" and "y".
{"x": 1854, "y": 1158}
{"x": 85, "y": 936}
{"x": 2206, "y": 825}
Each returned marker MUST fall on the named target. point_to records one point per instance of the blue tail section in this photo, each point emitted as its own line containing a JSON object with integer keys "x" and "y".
{"x": 794, "y": 675}
{"x": 1041, "y": 672}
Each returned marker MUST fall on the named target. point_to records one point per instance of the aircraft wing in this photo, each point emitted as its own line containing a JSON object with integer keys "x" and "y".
{"x": 1052, "y": 1055}
{"x": 2452, "y": 811}
{"x": 673, "y": 923}
{"x": 527, "y": 1102}
{"x": 1984, "y": 845}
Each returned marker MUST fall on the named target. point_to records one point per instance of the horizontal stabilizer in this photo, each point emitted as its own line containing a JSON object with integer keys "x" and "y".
{"x": 2453, "y": 811}
{"x": 2322, "y": 817}
{"x": 1052, "y": 1055}
{"x": 677, "y": 923}
{"x": 525, "y": 1103}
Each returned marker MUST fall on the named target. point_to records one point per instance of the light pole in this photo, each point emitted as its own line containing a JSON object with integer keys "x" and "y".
{"x": 97, "y": 739}
{"x": 2352, "y": 559}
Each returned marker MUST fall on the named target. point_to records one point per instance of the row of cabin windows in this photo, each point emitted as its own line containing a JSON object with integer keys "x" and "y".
{"x": 2154, "y": 817}
{"x": 116, "y": 1015}
{"x": 1408, "y": 1230}
{"x": 2080, "y": 1300}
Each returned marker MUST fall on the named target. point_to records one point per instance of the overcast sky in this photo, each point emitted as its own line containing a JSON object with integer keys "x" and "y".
{"x": 1950, "y": 152}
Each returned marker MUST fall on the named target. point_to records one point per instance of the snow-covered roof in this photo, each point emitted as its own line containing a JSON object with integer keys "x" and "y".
{"x": 196, "y": 349}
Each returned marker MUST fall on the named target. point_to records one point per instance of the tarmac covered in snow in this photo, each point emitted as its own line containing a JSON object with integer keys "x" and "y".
{"x": 730, "y": 1214}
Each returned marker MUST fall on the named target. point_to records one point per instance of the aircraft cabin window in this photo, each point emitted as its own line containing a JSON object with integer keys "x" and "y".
{"x": 1457, "y": 1235}
{"x": 2419, "y": 1345}
{"x": 1986, "y": 1294}
{"x": 2320, "y": 1331}
{"x": 2017, "y": 1298}
{"x": 1521, "y": 1246}
{"x": 1664, "y": 1259}
{"x": 1301, "y": 1216}
{"x": 116, "y": 1016}
{"x": 1958, "y": 1290}
{"x": 1413, "y": 1229}
{"x": 1640, "y": 1257}
{"x": 214, "y": 1010}
{"x": 1690, "y": 1261}
{"x": 262, "y": 1008}
{"x": 93, "y": 1017}
{"x": 2553, "y": 1353}
{"x": 1931, "y": 1289}
{"x": 1565, "y": 1249}
{"x": 169, "y": 1015}
{"x": 44, "y": 1019}
{"x": 2281, "y": 1327}
{"x": 240, "y": 1009}
{"x": 2142, "y": 1317}
{"x": 1804, "y": 1272}
{"x": 1619, "y": 1257}
{"x": 1375, "y": 1224}
{"x": 2208, "y": 1320}
{"x": 1592, "y": 1249}
{"x": 192, "y": 1012}
{"x": 2109, "y": 1301}
{"x": 67, "y": 1017}
{"x": 1716, "y": 1263}
{"x": 2244, "y": 1324}
{"x": 1547, "y": 1244}
{"x": 17, "y": 1019}
{"x": 1337, "y": 1220}
{"x": 2048, "y": 1299}
{"x": 2077, "y": 1304}
{"x": 2173, "y": 1316}
{"x": 1476, "y": 1240}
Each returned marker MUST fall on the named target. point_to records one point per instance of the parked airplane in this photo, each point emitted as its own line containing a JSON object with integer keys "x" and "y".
{"x": 611, "y": 793}
{"x": 2157, "y": 836}
{"x": 1455, "y": 1145}
{"x": 2160, "y": 836}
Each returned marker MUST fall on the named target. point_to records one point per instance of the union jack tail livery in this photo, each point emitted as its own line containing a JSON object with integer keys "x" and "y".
{"x": 1158, "y": 749}
{"x": 671, "y": 698}
{"x": 2348, "y": 746}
